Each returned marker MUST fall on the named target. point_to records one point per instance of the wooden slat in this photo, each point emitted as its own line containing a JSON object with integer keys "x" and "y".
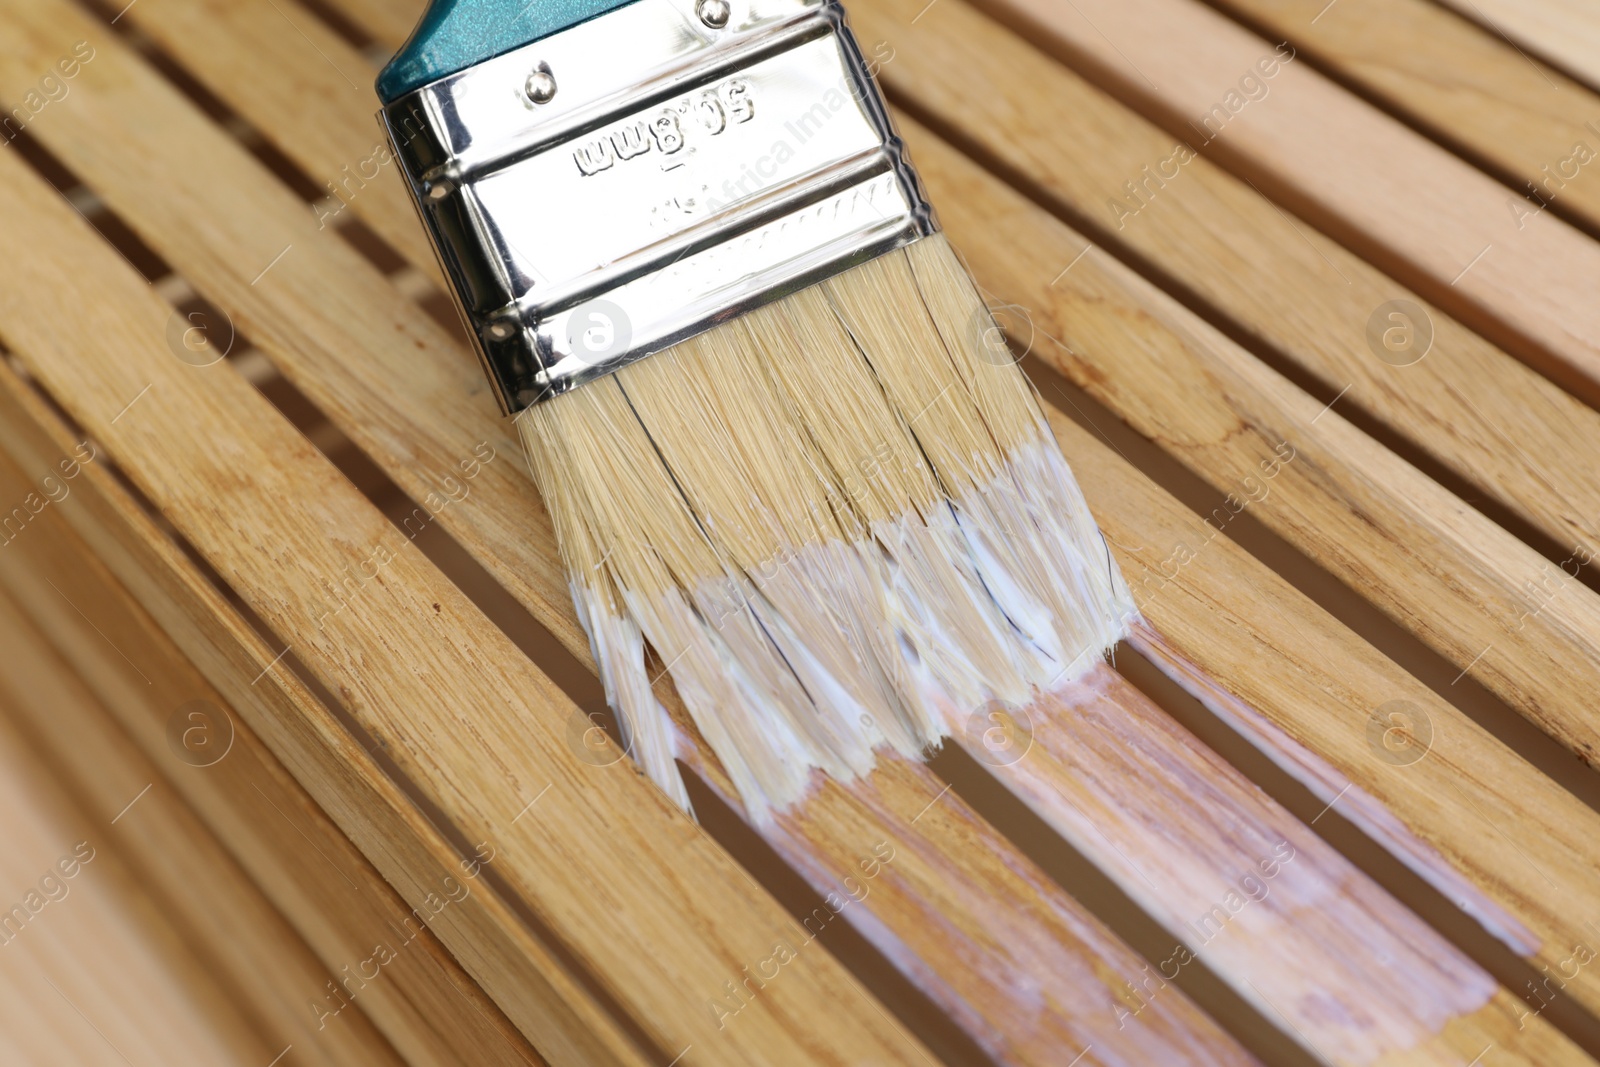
{"x": 1478, "y": 822}
{"x": 343, "y": 778}
{"x": 465, "y": 737}
{"x": 454, "y": 519}
{"x": 1222, "y": 239}
{"x": 994, "y": 910}
{"x": 388, "y": 21}
{"x": 234, "y": 49}
{"x": 426, "y": 1005}
{"x": 97, "y": 977}
{"x": 1463, "y": 82}
{"x": 1322, "y": 931}
{"x": 1401, "y": 541}
{"x": 1288, "y": 288}
{"x": 254, "y": 957}
{"x": 1197, "y": 213}
{"x": 660, "y": 915}
{"x": 989, "y": 933}
{"x": 1177, "y": 828}
{"x": 1396, "y": 197}
{"x": 979, "y": 927}
{"x": 1461, "y": 568}
{"x": 1566, "y": 31}
{"x": 511, "y": 562}
{"x": 988, "y": 927}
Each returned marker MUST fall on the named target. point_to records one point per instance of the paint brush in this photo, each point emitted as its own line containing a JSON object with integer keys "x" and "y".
{"x": 827, "y": 504}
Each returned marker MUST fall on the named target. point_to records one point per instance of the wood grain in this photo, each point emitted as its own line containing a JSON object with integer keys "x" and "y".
{"x": 342, "y": 776}
{"x": 428, "y": 1007}
{"x": 1460, "y": 405}
{"x": 388, "y": 21}
{"x": 979, "y": 927}
{"x": 1390, "y": 581}
{"x": 1397, "y": 198}
{"x": 239, "y": 51}
{"x": 1254, "y": 893}
{"x": 431, "y": 389}
{"x": 1465, "y": 405}
{"x": 1289, "y": 289}
{"x": 957, "y": 890}
{"x": 1462, "y": 82}
{"x": 820, "y": 839}
{"x": 1302, "y": 685}
{"x": 317, "y": 381}
{"x": 474, "y": 726}
{"x": 1565, "y": 31}
{"x": 97, "y": 975}
{"x": 253, "y": 956}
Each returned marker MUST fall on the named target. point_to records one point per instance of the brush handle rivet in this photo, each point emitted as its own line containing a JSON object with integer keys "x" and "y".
{"x": 501, "y": 331}
{"x": 541, "y": 85}
{"x": 713, "y": 13}
{"x": 438, "y": 190}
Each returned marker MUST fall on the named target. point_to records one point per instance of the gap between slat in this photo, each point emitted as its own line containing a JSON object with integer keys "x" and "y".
{"x": 1582, "y": 217}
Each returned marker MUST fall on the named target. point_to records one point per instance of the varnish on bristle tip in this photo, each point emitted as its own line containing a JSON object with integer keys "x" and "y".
{"x": 840, "y": 522}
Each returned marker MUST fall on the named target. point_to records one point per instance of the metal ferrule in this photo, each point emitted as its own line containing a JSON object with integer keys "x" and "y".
{"x": 622, "y": 185}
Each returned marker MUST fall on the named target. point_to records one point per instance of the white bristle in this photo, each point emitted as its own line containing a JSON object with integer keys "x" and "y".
{"x": 840, "y": 522}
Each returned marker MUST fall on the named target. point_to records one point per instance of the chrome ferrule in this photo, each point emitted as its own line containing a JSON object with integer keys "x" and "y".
{"x": 622, "y": 185}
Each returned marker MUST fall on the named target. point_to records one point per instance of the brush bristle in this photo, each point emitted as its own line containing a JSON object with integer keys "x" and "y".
{"x": 840, "y": 522}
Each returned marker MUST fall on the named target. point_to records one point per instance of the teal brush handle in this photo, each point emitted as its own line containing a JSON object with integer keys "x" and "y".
{"x": 457, "y": 34}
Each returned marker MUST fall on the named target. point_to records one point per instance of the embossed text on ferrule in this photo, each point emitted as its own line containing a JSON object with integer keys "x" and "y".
{"x": 709, "y": 111}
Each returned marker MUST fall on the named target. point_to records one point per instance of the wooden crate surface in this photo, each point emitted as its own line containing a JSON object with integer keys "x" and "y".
{"x": 1333, "y": 803}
